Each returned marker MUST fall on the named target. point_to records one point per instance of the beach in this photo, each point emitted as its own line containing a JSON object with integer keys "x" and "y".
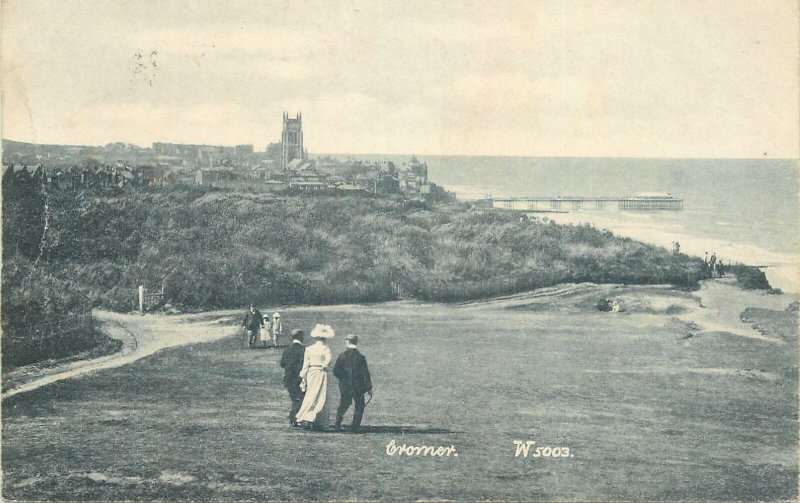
{"x": 745, "y": 210}
{"x": 661, "y": 229}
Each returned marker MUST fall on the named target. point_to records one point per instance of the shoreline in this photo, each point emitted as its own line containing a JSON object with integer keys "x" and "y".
{"x": 781, "y": 268}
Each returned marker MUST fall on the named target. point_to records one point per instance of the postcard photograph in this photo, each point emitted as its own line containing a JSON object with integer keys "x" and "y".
{"x": 400, "y": 250}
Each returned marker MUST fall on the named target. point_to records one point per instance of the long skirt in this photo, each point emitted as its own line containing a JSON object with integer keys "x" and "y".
{"x": 313, "y": 409}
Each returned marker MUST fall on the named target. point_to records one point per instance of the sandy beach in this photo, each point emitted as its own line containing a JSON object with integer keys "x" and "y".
{"x": 782, "y": 269}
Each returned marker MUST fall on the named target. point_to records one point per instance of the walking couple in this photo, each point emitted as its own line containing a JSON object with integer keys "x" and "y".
{"x": 306, "y": 379}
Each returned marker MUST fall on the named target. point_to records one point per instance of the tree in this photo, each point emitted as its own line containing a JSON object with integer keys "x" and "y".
{"x": 23, "y": 214}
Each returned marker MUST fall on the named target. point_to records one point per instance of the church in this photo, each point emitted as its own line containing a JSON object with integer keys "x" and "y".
{"x": 292, "y": 140}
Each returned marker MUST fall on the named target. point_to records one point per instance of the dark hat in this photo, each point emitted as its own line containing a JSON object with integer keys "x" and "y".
{"x": 352, "y": 338}
{"x": 297, "y": 334}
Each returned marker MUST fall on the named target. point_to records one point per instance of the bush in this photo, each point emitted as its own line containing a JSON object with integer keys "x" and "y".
{"x": 223, "y": 249}
{"x": 42, "y": 316}
{"x": 750, "y": 278}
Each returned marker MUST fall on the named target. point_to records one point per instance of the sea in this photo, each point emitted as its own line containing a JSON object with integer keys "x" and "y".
{"x": 744, "y": 210}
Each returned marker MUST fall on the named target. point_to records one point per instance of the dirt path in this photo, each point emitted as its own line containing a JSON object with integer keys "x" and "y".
{"x": 723, "y": 303}
{"x": 716, "y": 307}
{"x": 709, "y": 418}
{"x": 141, "y": 336}
{"x": 720, "y": 306}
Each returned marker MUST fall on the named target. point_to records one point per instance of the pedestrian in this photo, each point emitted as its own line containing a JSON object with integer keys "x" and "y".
{"x": 354, "y": 381}
{"x": 720, "y": 269}
{"x": 292, "y": 364}
{"x": 277, "y": 328}
{"x": 314, "y": 375}
{"x": 253, "y": 321}
{"x": 713, "y": 263}
{"x": 265, "y": 332}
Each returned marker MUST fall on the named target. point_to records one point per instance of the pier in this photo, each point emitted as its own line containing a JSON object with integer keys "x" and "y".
{"x": 642, "y": 201}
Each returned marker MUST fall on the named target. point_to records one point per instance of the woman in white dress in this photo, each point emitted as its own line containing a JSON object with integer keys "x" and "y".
{"x": 314, "y": 377}
{"x": 277, "y": 328}
{"x": 264, "y": 334}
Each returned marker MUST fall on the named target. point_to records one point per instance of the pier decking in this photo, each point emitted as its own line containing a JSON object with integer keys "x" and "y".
{"x": 638, "y": 202}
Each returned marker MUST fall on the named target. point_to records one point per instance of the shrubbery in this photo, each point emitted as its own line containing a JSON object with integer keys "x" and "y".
{"x": 42, "y": 316}
{"x": 217, "y": 249}
{"x": 750, "y": 278}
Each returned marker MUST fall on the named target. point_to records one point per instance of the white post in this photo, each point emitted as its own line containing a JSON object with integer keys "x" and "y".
{"x": 141, "y": 300}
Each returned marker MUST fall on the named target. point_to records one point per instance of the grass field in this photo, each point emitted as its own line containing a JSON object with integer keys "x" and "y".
{"x": 651, "y": 409}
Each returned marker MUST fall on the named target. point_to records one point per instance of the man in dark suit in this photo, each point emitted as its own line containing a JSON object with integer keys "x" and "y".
{"x": 253, "y": 321}
{"x": 292, "y": 363}
{"x": 354, "y": 380}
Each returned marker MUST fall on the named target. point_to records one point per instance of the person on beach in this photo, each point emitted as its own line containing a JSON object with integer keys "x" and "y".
{"x": 253, "y": 321}
{"x": 314, "y": 379}
{"x": 720, "y": 269}
{"x": 277, "y": 328}
{"x": 292, "y": 364}
{"x": 354, "y": 381}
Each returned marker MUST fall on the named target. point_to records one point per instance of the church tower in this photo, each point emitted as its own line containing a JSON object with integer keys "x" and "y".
{"x": 292, "y": 140}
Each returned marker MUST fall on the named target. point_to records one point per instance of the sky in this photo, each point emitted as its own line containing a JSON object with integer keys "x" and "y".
{"x": 629, "y": 78}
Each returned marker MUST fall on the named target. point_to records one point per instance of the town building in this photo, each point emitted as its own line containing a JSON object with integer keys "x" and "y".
{"x": 213, "y": 176}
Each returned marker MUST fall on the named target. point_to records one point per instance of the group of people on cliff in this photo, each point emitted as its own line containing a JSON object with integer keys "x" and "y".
{"x": 260, "y": 329}
{"x": 306, "y": 371}
{"x": 306, "y": 379}
{"x": 713, "y": 267}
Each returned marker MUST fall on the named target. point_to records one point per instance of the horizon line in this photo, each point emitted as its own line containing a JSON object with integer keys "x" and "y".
{"x": 312, "y": 154}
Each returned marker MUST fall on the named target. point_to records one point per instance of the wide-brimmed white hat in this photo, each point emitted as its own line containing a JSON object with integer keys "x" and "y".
{"x": 322, "y": 331}
{"x": 276, "y": 315}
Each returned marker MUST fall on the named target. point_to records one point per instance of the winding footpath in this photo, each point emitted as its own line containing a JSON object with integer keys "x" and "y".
{"x": 141, "y": 336}
{"x": 722, "y": 306}
{"x": 716, "y": 307}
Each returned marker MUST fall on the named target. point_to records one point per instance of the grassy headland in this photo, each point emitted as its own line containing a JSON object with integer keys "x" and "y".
{"x": 215, "y": 249}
